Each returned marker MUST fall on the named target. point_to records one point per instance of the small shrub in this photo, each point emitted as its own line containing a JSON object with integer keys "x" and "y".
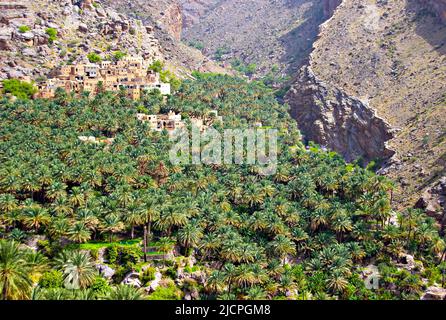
{"x": 19, "y": 89}
{"x": 157, "y": 66}
{"x": 100, "y": 286}
{"x": 52, "y": 35}
{"x": 94, "y": 254}
{"x": 118, "y": 55}
{"x": 44, "y": 246}
{"x": 51, "y": 280}
{"x": 166, "y": 293}
{"x": 24, "y": 29}
{"x": 171, "y": 273}
{"x": 94, "y": 57}
{"x": 148, "y": 275}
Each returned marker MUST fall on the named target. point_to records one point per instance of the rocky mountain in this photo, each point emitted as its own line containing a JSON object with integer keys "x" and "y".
{"x": 277, "y": 33}
{"x": 388, "y": 56}
{"x": 29, "y": 51}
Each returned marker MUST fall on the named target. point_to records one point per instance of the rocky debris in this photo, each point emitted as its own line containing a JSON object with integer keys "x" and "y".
{"x": 332, "y": 118}
{"x": 83, "y": 27}
{"x": 434, "y": 293}
{"x": 407, "y": 262}
{"x": 132, "y": 279}
{"x": 106, "y": 271}
{"x": 32, "y": 241}
{"x": 155, "y": 283}
{"x": 433, "y": 201}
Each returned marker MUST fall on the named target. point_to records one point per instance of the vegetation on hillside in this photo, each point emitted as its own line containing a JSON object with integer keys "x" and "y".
{"x": 19, "y": 89}
{"x": 306, "y": 232}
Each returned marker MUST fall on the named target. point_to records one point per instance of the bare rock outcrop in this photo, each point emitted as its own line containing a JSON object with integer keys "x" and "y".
{"x": 434, "y": 293}
{"x": 437, "y": 6}
{"x": 332, "y": 118}
{"x": 330, "y": 6}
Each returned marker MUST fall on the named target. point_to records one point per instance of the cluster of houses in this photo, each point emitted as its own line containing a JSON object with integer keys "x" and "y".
{"x": 131, "y": 73}
{"x": 171, "y": 121}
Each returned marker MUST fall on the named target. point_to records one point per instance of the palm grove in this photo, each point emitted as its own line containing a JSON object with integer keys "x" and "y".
{"x": 306, "y": 232}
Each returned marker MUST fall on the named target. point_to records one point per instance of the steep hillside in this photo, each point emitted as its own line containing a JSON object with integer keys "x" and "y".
{"x": 391, "y": 55}
{"x": 194, "y": 10}
{"x": 82, "y": 27}
{"x": 167, "y": 18}
{"x": 276, "y": 33}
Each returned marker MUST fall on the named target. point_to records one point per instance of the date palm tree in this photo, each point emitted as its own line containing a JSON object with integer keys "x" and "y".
{"x": 111, "y": 224}
{"x": 125, "y": 292}
{"x": 189, "y": 235}
{"x": 78, "y": 269}
{"x": 15, "y": 272}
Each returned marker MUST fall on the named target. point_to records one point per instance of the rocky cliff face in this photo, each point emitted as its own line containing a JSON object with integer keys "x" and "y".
{"x": 330, "y": 6}
{"x": 391, "y": 54}
{"x": 438, "y": 7}
{"x": 330, "y": 117}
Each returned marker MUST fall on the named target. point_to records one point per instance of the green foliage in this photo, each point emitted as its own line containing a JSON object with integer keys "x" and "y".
{"x": 171, "y": 272}
{"x": 124, "y": 292}
{"x": 247, "y": 70}
{"x": 197, "y": 45}
{"x": 100, "y": 286}
{"x": 94, "y": 57}
{"x": 94, "y": 254}
{"x": 20, "y": 89}
{"x": 118, "y": 55}
{"x": 24, "y": 29}
{"x": 127, "y": 256}
{"x": 330, "y": 216}
{"x": 51, "y": 279}
{"x": 167, "y": 76}
{"x": 166, "y": 293}
{"x": 157, "y": 66}
{"x": 220, "y": 52}
{"x": 147, "y": 275}
{"x": 52, "y": 34}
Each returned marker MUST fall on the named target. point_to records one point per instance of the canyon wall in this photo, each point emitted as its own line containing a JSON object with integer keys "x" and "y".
{"x": 437, "y": 6}
{"x": 391, "y": 56}
{"x": 332, "y": 118}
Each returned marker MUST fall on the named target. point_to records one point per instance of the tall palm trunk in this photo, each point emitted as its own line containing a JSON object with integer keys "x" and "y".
{"x": 145, "y": 244}
{"x": 5, "y": 289}
{"x": 132, "y": 232}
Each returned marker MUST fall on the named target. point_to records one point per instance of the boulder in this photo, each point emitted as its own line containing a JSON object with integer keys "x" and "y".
{"x": 29, "y": 52}
{"x": 434, "y": 293}
{"x": 407, "y": 262}
{"x": 5, "y": 45}
{"x": 83, "y": 27}
{"x": 105, "y": 271}
{"x": 27, "y": 36}
{"x": 155, "y": 283}
{"x": 132, "y": 279}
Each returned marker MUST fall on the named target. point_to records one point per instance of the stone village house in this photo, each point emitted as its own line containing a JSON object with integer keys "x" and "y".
{"x": 131, "y": 73}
